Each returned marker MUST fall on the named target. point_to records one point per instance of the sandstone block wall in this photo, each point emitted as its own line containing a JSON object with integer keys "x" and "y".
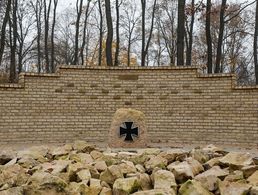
{"x": 181, "y": 106}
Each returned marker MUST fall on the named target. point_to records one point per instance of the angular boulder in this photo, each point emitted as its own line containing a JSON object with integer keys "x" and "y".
{"x": 237, "y": 160}
{"x": 13, "y": 191}
{"x": 145, "y": 181}
{"x": 83, "y": 175}
{"x": 181, "y": 170}
{"x": 254, "y": 190}
{"x": 195, "y": 165}
{"x": 253, "y": 179}
{"x": 164, "y": 179}
{"x": 126, "y": 186}
{"x": 173, "y": 154}
{"x": 83, "y": 146}
{"x": 94, "y": 187}
{"x": 43, "y": 180}
{"x": 106, "y": 191}
{"x": 6, "y": 156}
{"x": 156, "y": 161}
{"x": 199, "y": 155}
{"x": 192, "y": 187}
{"x": 13, "y": 176}
{"x": 233, "y": 188}
{"x": 101, "y": 165}
{"x": 210, "y": 178}
{"x": 156, "y": 192}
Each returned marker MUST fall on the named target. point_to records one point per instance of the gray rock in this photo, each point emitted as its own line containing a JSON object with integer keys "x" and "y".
{"x": 13, "y": 191}
{"x": 145, "y": 181}
{"x": 195, "y": 165}
{"x": 253, "y": 179}
{"x": 237, "y": 160}
{"x": 199, "y": 155}
{"x": 106, "y": 191}
{"x": 140, "y": 168}
{"x": 156, "y": 161}
{"x": 192, "y": 187}
{"x": 83, "y": 175}
{"x": 181, "y": 170}
{"x": 233, "y": 188}
{"x": 126, "y": 186}
{"x": 254, "y": 190}
{"x": 164, "y": 179}
{"x": 95, "y": 154}
{"x": 210, "y": 178}
{"x": 43, "y": 180}
{"x": 6, "y": 156}
{"x": 12, "y": 176}
{"x": 156, "y": 192}
{"x": 173, "y": 154}
{"x": 101, "y": 165}
{"x": 83, "y": 146}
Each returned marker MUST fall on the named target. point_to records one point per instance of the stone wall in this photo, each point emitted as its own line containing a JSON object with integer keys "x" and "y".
{"x": 181, "y": 106}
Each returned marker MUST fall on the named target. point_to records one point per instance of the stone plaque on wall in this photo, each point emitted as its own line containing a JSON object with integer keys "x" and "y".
{"x": 128, "y": 129}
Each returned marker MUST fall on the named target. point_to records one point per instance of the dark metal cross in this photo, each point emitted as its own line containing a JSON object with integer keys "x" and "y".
{"x": 128, "y": 132}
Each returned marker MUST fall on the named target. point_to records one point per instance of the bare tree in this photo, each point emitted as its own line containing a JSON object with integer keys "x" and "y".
{"x": 180, "y": 32}
{"x": 189, "y": 32}
{"x": 208, "y": 36}
{"x": 38, "y": 8}
{"x": 3, "y": 29}
{"x": 13, "y": 40}
{"x": 84, "y": 39}
{"x": 25, "y": 26}
{"x": 130, "y": 20}
{"x": 145, "y": 46}
{"x": 220, "y": 39}
{"x": 118, "y": 4}
{"x": 100, "y": 33}
{"x": 168, "y": 27}
{"x": 79, "y": 4}
{"x": 64, "y": 46}
{"x": 52, "y": 65}
{"x": 109, "y": 40}
{"x": 47, "y": 6}
{"x": 255, "y": 44}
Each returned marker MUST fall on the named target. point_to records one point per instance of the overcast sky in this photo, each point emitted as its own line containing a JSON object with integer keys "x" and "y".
{"x": 71, "y": 3}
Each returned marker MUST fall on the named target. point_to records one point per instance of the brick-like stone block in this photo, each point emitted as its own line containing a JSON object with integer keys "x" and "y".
{"x": 128, "y": 77}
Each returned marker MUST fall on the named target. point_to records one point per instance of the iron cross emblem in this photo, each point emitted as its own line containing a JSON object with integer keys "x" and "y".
{"x": 129, "y": 132}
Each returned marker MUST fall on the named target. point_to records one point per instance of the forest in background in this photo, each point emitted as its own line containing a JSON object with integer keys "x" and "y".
{"x": 220, "y": 36}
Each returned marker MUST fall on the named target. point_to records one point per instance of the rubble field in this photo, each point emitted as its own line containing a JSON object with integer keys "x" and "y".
{"x": 83, "y": 169}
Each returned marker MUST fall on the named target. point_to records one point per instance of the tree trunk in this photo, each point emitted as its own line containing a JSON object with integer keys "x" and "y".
{"x": 13, "y": 41}
{"x": 220, "y": 39}
{"x": 117, "y": 34}
{"x": 129, "y": 53}
{"x": 190, "y": 43}
{"x": 3, "y": 30}
{"x": 109, "y": 40}
{"x": 180, "y": 32}
{"x": 38, "y": 12}
{"x": 100, "y": 34}
{"x": 255, "y": 44}
{"x": 146, "y": 48}
{"x": 46, "y": 21}
{"x": 208, "y": 36}
{"x": 143, "y": 55}
{"x": 52, "y": 65}
{"x": 77, "y": 30}
{"x": 84, "y": 32}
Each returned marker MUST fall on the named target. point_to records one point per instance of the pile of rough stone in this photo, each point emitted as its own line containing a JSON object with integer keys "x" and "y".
{"x": 82, "y": 169}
